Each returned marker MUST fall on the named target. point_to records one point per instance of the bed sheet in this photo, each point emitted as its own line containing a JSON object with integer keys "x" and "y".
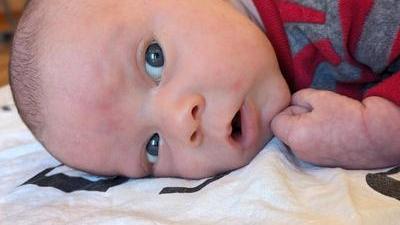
{"x": 275, "y": 188}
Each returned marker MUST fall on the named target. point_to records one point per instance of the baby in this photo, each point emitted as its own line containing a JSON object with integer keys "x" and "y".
{"x": 192, "y": 88}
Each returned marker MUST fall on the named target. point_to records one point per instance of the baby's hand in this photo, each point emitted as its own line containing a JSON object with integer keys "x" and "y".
{"x": 327, "y": 129}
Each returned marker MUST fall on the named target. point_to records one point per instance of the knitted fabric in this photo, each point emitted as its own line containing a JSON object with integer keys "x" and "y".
{"x": 351, "y": 47}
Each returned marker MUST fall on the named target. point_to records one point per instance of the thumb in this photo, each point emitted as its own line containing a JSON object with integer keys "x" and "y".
{"x": 288, "y": 121}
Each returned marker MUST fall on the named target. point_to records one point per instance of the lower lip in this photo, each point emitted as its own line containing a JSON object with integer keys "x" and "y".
{"x": 249, "y": 118}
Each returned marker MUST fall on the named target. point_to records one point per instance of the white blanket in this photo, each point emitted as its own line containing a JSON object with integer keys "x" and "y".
{"x": 275, "y": 188}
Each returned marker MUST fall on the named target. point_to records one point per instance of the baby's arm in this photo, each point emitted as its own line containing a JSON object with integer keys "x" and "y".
{"x": 329, "y": 129}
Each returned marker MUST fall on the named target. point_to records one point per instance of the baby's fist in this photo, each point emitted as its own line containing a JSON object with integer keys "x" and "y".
{"x": 324, "y": 128}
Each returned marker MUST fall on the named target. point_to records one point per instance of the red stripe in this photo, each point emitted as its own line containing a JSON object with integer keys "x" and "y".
{"x": 356, "y": 89}
{"x": 305, "y": 63}
{"x": 388, "y": 89}
{"x": 270, "y": 15}
{"x": 353, "y": 14}
{"x": 307, "y": 60}
{"x": 326, "y": 49}
{"x": 353, "y": 22}
{"x": 299, "y": 13}
{"x": 350, "y": 90}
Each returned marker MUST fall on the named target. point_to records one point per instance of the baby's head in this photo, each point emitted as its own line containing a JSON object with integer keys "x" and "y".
{"x": 138, "y": 87}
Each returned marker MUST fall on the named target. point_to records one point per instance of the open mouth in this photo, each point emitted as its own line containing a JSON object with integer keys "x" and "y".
{"x": 244, "y": 128}
{"x": 236, "y": 127}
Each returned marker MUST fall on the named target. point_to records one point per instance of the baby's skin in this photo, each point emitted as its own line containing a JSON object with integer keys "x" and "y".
{"x": 165, "y": 88}
{"x": 333, "y": 130}
{"x": 189, "y": 89}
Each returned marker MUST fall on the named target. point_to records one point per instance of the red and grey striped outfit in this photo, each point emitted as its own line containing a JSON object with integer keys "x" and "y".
{"x": 351, "y": 47}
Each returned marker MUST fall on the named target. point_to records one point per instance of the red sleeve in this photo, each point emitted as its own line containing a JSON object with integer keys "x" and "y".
{"x": 362, "y": 46}
{"x": 389, "y": 89}
{"x": 375, "y": 43}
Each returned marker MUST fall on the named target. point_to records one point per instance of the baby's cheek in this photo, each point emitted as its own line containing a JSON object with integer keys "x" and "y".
{"x": 237, "y": 85}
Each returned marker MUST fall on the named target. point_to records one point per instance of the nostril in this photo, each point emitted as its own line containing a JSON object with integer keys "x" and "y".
{"x": 236, "y": 126}
{"x": 195, "y": 111}
{"x": 196, "y": 139}
{"x": 194, "y": 136}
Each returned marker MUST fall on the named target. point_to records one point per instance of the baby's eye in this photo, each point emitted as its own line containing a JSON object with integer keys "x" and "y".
{"x": 152, "y": 148}
{"x": 154, "y": 61}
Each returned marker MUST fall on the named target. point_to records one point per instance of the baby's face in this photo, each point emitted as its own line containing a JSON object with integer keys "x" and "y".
{"x": 168, "y": 88}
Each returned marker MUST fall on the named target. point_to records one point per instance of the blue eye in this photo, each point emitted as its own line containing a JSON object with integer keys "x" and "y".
{"x": 154, "y": 61}
{"x": 152, "y": 148}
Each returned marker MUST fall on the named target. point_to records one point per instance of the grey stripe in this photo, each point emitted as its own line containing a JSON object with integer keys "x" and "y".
{"x": 348, "y": 73}
{"x": 331, "y": 30}
{"x": 378, "y": 35}
{"x": 297, "y": 39}
{"x": 314, "y": 4}
{"x": 324, "y": 77}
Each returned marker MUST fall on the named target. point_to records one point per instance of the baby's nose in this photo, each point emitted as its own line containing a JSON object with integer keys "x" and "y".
{"x": 186, "y": 120}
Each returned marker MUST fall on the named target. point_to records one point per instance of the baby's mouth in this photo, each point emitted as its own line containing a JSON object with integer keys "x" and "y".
{"x": 236, "y": 126}
{"x": 244, "y": 128}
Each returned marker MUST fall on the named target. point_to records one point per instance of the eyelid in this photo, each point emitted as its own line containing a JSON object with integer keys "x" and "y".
{"x": 140, "y": 59}
{"x": 140, "y": 56}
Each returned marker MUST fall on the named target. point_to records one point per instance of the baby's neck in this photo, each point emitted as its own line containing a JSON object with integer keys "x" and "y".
{"x": 248, "y": 8}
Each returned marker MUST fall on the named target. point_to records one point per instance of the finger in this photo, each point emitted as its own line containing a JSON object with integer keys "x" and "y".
{"x": 289, "y": 121}
{"x": 296, "y": 110}
{"x": 292, "y": 111}
{"x": 309, "y": 98}
{"x": 304, "y": 98}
